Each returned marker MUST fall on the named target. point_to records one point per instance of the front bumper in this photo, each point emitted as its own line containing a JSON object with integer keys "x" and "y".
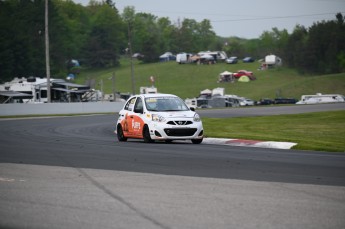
{"x": 163, "y": 131}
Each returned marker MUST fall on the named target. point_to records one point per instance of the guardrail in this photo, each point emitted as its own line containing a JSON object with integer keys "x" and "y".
{"x": 59, "y": 108}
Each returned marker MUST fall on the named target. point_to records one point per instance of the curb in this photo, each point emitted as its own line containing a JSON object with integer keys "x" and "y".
{"x": 246, "y": 143}
{"x": 249, "y": 143}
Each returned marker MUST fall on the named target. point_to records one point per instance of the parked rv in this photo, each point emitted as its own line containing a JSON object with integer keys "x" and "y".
{"x": 148, "y": 90}
{"x": 183, "y": 58}
{"x": 321, "y": 98}
{"x": 35, "y": 89}
{"x": 272, "y": 60}
{"x": 217, "y": 55}
{"x": 214, "y": 99}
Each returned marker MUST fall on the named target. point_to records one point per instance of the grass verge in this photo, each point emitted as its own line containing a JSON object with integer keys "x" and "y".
{"x": 320, "y": 131}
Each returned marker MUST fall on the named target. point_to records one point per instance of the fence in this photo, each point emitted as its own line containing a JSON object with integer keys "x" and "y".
{"x": 59, "y": 108}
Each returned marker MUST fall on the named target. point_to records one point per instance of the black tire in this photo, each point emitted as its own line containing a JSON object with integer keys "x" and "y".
{"x": 120, "y": 134}
{"x": 146, "y": 135}
{"x": 197, "y": 141}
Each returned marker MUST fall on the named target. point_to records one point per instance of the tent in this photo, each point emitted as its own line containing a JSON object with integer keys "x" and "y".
{"x": 195, "y": 58}
{"x": 244, "y": 79}
{"x": 167, "y": 57}
{"x": 206, "y": 92}
{"x": 226, "y": 77}
{"x": 226, "y": 73}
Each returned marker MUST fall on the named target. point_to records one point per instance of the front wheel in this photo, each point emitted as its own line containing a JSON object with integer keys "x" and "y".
{"x": 120, "y": 134}
{"x": 146, "y": 134}
{"x": 197, "y": 141}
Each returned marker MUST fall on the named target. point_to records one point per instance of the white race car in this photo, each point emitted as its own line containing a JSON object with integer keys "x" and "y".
{"x": 158, "y": 117}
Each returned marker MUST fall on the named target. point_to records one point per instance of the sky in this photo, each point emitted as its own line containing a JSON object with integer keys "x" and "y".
{"x": 241, "y": 18}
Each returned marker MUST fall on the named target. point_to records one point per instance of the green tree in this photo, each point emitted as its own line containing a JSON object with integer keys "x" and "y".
{"x": 106, "y": 37}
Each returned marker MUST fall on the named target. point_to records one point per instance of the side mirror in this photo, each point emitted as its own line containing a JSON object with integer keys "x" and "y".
{"x": 192, "y": 108}
{"x": 139, "y": 110}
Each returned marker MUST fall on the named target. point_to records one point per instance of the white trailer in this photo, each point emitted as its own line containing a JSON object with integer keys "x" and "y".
{"x": 183, "y": 58}
{"x": 321, "y": 98}
{"x": 273, "y": 60}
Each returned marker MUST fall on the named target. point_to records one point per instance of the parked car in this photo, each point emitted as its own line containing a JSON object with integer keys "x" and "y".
{"x": 285, "y": 101}
{"x": 240, "y": 73}
{"x": 158, "y": 117}
{"x": 231, "y": 60}
{"x": 248, "y": 59}
{"x": 265, "y": 101}
{"x": 247, "y": 102}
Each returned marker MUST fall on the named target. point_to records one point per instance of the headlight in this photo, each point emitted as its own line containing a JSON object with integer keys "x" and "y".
{"x": 196, "y": 118}
{"x": 158, "y": 118}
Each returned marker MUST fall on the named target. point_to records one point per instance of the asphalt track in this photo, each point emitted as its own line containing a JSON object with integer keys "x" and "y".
{"x": 71, "y": 172}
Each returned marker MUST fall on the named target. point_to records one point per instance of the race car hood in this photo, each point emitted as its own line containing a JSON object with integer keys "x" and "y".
{"x": 177, "y": 114}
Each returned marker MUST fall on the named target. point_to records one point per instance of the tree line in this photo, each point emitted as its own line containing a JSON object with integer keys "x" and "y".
{"x": 97, "y": 35}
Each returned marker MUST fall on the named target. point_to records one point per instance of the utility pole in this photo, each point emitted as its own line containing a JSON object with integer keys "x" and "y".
{"x": 131, "y": 56}
{"x": 102, "y": 90}
{"x": 114, "y": 93}
{"x": 47, "y": 53}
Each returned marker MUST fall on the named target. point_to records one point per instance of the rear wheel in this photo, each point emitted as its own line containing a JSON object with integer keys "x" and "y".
{"x": 197, "y": 141}
{"x": 146, "y": 134}
{"x": 120, "y": 134}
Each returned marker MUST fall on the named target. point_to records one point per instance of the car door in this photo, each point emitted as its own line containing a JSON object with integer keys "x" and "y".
{"x": 125, "y": 115}
{"x": 137, "y": 119}
{"x": 133, "y": 122}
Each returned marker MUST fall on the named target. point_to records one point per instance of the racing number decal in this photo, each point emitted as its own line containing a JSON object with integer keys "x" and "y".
{"x": 133, "y": 125}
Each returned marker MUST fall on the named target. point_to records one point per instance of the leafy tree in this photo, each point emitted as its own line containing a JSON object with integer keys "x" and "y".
{"x": 294, "y": 51}
{"x": 206, "y": 35}
{"x": 106, "y": 37}
{"x": 166, "y": 30}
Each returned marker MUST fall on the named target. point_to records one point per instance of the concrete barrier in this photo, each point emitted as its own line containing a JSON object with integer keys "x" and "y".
{"x": 59, "y": 108}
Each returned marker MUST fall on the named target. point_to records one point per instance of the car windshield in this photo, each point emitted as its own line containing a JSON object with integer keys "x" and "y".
{"x": 165, "y": 104}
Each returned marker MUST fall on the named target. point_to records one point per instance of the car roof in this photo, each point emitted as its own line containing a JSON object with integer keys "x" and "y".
{"x": 155, "y": 95}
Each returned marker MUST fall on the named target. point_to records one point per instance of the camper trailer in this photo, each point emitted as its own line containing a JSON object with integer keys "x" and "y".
{"x": 148, "y": 90}
{"x": 213, "y": 99}
{"x": 273, "y": 60}
{"x": 217, "y": 55}
{"x": 36, "y": 90}
{"x": 183, "y": 58}
{"x": 321, "y": 98}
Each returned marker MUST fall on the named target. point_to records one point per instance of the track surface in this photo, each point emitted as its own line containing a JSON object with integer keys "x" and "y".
{"x": 71, "y": 172}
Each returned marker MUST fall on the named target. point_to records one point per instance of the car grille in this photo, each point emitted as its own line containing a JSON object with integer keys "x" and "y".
{"x": 180, "y": 132}
{"x": 180, "y": 123}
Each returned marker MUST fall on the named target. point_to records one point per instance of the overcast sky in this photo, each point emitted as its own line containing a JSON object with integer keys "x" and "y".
{"x": 246, "y": 19}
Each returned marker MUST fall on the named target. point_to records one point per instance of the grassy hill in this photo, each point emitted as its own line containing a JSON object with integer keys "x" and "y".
{"x": 187, "y": 80}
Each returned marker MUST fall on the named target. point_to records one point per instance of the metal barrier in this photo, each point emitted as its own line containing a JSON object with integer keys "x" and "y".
{"x": 59, "y": 108}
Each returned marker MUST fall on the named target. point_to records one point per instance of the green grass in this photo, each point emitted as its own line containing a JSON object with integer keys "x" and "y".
{"x": 321, "y": 131}
{"x": 187, "y": 80}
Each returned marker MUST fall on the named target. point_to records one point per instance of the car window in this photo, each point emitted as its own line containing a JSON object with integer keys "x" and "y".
{"x": 138, "y": 105}
{"x": 130, "y": 104}
{"x": 165, "y": 104}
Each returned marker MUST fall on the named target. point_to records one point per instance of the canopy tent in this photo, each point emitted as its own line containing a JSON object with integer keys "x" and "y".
{"x": 8, "y": 96}
{"x": 207, "y": 57}
{"x": 244, "y": 79}
{"x": 206, "y": 92}
{"x": 226, "y": 76}
{"x": 226, "y": 73}
{"x": 195, "y": 58}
